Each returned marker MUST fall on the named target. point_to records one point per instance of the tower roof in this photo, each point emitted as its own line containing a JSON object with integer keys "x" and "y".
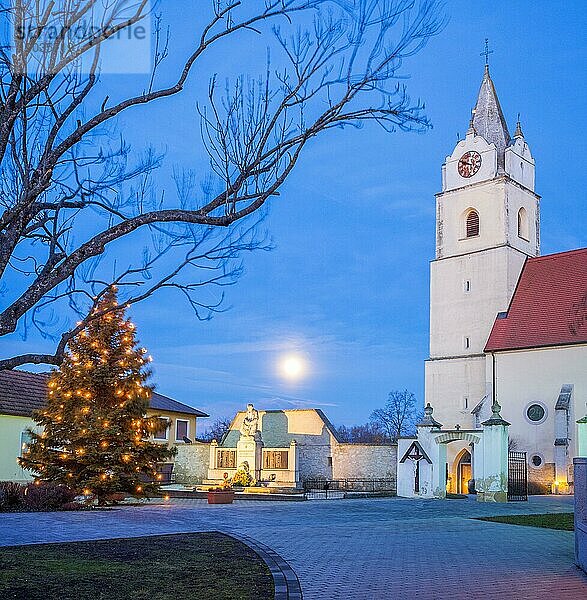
{"x": 488, "y": 119}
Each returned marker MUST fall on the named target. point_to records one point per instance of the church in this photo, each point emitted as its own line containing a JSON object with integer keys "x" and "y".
{"x": 506, "y": 324}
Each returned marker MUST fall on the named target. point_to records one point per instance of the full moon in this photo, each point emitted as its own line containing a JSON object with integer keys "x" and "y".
{"x": 292, "y": 367}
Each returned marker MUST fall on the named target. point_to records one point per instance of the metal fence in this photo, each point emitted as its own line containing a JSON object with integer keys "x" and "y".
{"x": 329, "y": 489}
{"x": 517, "y": 477}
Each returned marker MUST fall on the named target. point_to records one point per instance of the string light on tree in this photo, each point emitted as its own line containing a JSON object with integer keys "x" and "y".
{"x": 103, "y": 442}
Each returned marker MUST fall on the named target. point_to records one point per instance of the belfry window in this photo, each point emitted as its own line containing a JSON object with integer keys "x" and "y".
{"x": 472, "y": 224}
{"x": 523, "y": 224}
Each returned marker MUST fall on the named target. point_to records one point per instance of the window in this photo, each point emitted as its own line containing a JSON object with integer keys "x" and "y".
{"x": 536, "y": 461}
{"x": 465, "y": 403}
{"x": 182, "y": 429}
{"x": 226, "y": 459}
{"x": 523, "y": 224}
{"x": 330, "y": 461}
{"x": 472, "y": 229}
{"x": 467, "y": 342}
{"x": 162, "y": 429}
{"x": 25, "y": 441}
{"x": 467, "y": 286}
{"x": 536, "y": 413}
{"x": 275, "y": 459}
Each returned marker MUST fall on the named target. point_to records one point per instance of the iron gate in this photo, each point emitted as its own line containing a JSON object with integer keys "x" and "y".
{"x": 517, "y": 476}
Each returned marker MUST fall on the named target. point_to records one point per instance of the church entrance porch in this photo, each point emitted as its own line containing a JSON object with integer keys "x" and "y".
{"x": 423, "y": 469}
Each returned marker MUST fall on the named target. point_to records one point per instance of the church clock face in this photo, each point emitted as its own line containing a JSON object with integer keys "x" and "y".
{"x": 469, "y": 164}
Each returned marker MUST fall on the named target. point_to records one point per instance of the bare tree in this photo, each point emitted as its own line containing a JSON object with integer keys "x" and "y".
{"x": 369, "y": 433}
{"x": 217, "y": 430}
{"x": 71, "y": 192}
{"x": 399, "y": 416}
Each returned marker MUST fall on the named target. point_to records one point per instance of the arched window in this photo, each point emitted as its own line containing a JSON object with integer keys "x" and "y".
{"x": 523, "y": 224}
{"x": 472, "y": 224}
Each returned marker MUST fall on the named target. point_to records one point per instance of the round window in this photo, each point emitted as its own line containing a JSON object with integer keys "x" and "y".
{"x": 536, "y": 413}
{"x": 536, "y": 460}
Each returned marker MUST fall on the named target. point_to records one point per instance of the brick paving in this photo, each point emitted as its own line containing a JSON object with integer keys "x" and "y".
{"x": 387, "y": 548}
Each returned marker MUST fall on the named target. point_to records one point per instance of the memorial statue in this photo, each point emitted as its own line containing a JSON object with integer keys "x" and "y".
{"x": 250, "y": 428}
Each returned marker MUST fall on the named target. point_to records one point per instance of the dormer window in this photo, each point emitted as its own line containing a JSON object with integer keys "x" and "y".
{"x": 523, "y": 224}
{"x": 472, "y": 229}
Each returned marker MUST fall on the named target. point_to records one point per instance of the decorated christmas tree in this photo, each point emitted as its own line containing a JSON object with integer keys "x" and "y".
{"x": 95, "y": 432}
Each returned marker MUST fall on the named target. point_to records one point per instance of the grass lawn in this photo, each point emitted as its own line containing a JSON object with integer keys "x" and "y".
{"x": 562, "y": 521}
{"x": 196, "y": 566}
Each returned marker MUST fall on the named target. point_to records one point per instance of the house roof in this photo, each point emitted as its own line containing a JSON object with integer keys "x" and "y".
{"x": 549, "y": 305}
{"x": 22, "y": 392}
{"x": 161, "y": 402}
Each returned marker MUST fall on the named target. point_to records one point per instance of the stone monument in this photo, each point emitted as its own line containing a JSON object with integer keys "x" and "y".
{"x": 249, "y": 448}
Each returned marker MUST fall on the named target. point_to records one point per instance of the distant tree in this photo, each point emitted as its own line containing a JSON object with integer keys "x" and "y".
{"x": 369, "y": 433}
{"x": 217, "y": 430}
{"x": 399, "y": 415}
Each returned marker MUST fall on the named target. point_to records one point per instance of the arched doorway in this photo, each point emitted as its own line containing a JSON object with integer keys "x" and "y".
{"x": 463, "y": 471}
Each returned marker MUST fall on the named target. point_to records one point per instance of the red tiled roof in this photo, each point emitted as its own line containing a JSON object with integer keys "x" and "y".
{"x": 22, "y": 392}
{"x": 549, "y": 305}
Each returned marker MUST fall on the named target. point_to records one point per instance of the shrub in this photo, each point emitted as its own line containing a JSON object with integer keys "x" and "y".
{"x": 242, "y": 478}
{"x": 11, "y": 496}
{"x": 48, "y": 496}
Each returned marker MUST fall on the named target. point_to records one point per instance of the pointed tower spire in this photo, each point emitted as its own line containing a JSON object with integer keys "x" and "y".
{"x": 518, "y": 133}
{"x": 488, "y": 119}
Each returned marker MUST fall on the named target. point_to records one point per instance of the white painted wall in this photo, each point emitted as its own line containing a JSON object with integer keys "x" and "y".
{"x": 527, "y": 376}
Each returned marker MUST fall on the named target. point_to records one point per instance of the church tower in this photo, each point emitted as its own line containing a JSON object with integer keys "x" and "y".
{"x": 487, "y": 224}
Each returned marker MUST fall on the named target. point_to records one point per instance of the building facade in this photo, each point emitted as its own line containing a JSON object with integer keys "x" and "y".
{"x": 22, "y": 392}
{"x": 487, "y": 236}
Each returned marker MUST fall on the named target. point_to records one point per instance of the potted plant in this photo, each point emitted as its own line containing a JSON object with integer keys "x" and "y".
{"x": 223, "y": 494}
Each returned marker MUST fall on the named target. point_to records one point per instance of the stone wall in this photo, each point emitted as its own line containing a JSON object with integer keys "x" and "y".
{"x": 313, "y": 461}
{"x": 540, "y": 480}
{"x": 191, "y": 463}
{"x": 364, "y": 461}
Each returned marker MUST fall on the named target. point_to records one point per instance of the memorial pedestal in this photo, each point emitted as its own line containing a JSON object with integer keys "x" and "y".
{"x": 250, "y": 449}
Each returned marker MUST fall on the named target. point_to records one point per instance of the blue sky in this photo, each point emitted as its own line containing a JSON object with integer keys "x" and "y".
{"x": 347, "y": 283}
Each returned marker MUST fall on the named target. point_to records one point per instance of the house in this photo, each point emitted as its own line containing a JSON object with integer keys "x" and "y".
{"x": 22, "y": 392}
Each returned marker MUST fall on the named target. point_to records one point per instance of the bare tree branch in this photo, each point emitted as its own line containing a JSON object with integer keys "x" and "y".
{"x": 72, "y": 191}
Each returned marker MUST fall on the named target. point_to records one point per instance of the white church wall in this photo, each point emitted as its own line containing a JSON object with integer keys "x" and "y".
{"x": 519, "y": 163}
{"x": 466, "y": 293}
{"x": 490, "y": 200}
{"x": 525, "y": 377}
{"x": 488, "y": 169}
{"x": 454, "y": 387}
{"x": 517, "y": 198}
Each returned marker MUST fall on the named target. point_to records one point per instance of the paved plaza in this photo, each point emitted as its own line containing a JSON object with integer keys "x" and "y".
{"x": 359, "y": 549}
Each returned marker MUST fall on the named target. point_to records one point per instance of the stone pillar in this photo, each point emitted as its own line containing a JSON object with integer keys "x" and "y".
{"x": 493, "y": 485}
{"x": 212, "y": 463}
{"x": 582, "y": 437}
{"x": 439, "y": 472}
{"x": 432, "y": 477}
{"x": 580, "y": 466}
{"x": 250, "y": 449}
{"x": 292, "y": 462}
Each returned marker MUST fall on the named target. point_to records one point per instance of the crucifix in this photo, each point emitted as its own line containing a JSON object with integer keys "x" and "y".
{"x": 416, "y": 456}
{"x": 486, "y": 52}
